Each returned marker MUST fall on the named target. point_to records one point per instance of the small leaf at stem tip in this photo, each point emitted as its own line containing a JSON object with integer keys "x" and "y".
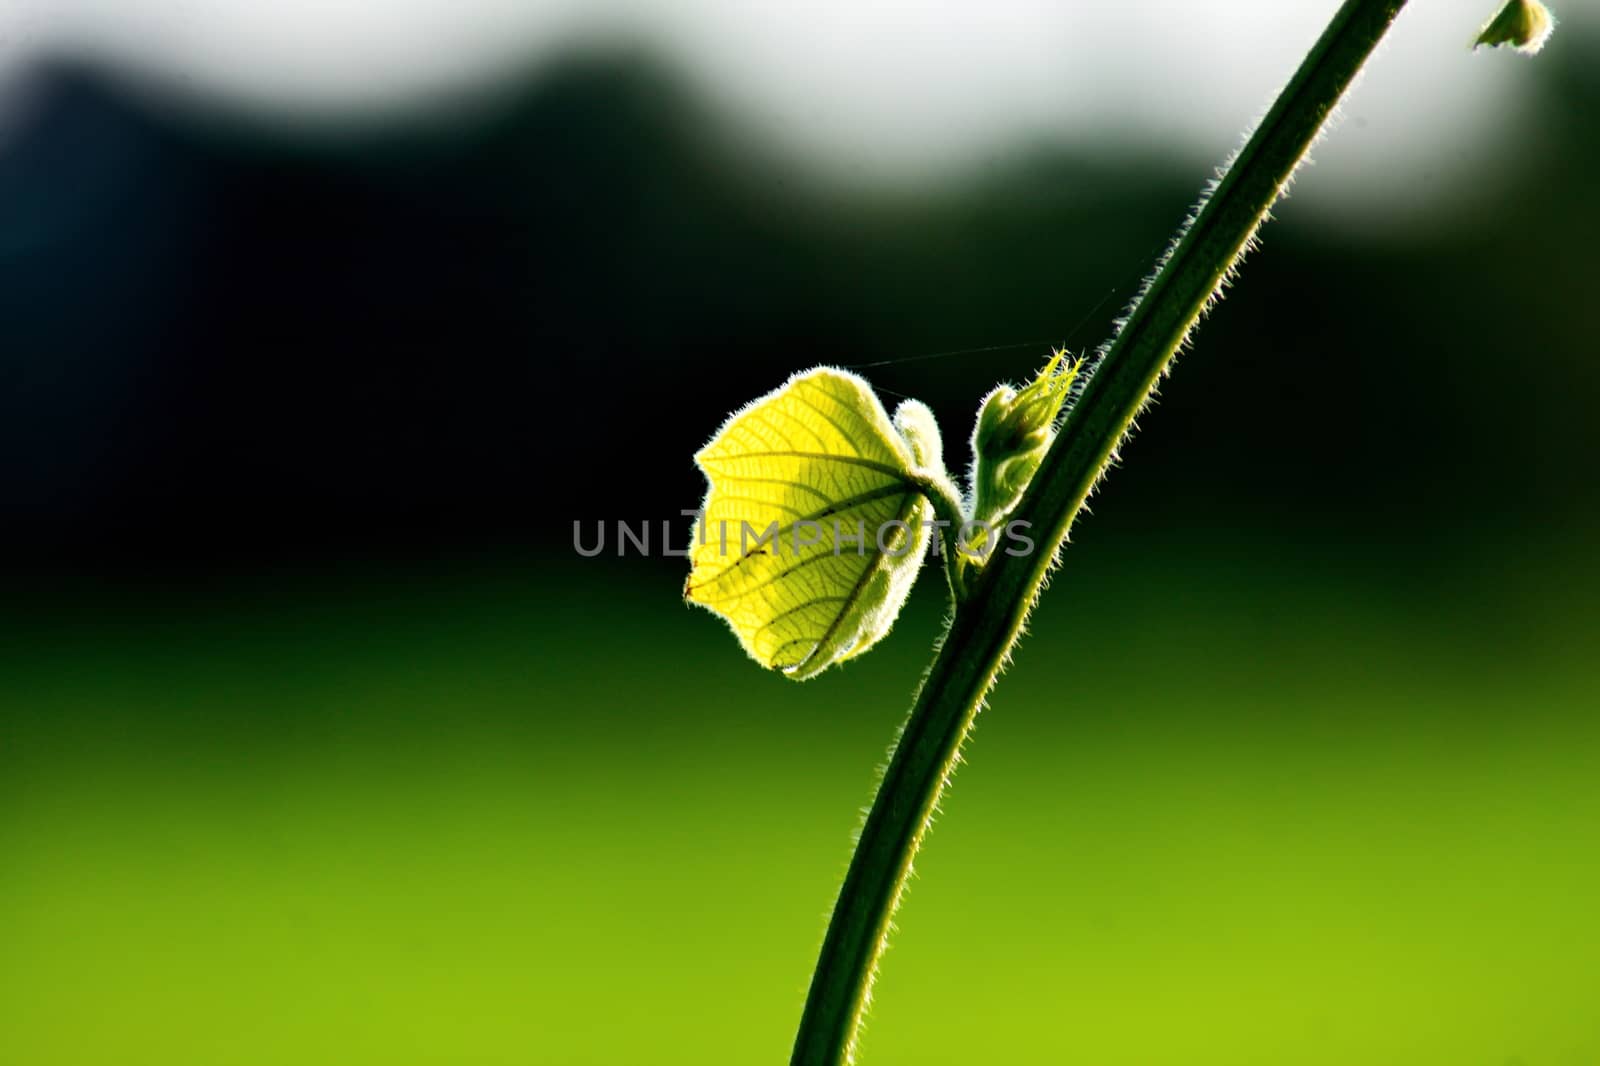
{"x": 1523, "y": 24}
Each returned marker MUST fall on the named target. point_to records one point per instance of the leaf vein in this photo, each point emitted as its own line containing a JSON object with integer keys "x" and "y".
{"x": 849, "y": 460}
{"x": 838, "y": 508}
{"x": 904, "y": 512}
{"x": 849, "y": 438}
{"x": 781, "y": 615}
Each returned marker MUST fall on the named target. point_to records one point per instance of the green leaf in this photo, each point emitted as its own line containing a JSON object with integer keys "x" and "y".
{"x": 816, "y": 521}
{"x": 1523, "y": 24}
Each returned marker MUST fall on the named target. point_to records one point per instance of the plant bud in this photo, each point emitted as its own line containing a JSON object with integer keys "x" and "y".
{"x": 1014, "y": 429}
{"x": 1523, "y": 24}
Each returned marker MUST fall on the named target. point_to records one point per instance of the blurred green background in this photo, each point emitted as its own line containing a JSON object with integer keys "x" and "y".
{"x": 320, "y": 744}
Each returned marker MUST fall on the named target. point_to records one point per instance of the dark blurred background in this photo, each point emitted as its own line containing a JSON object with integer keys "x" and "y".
{"x": 319, "y": 743}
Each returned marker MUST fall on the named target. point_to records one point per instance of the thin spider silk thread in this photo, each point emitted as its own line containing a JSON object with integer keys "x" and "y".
{"x": 1131, "y": 277}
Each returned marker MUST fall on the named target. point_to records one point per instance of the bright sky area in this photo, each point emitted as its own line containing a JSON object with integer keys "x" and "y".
{"x": 883, "y": 90}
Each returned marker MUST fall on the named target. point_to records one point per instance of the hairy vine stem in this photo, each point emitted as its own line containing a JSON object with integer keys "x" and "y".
{"x": 985, "y": 626}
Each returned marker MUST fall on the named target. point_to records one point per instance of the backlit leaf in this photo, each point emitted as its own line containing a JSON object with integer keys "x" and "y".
{"x": 1525, "y": 25}
{"x": 814, "y": 526}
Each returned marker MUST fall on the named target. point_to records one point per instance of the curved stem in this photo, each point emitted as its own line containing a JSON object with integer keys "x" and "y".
{"x": 941, "y": 493}
{"x": 986, "y": 625}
